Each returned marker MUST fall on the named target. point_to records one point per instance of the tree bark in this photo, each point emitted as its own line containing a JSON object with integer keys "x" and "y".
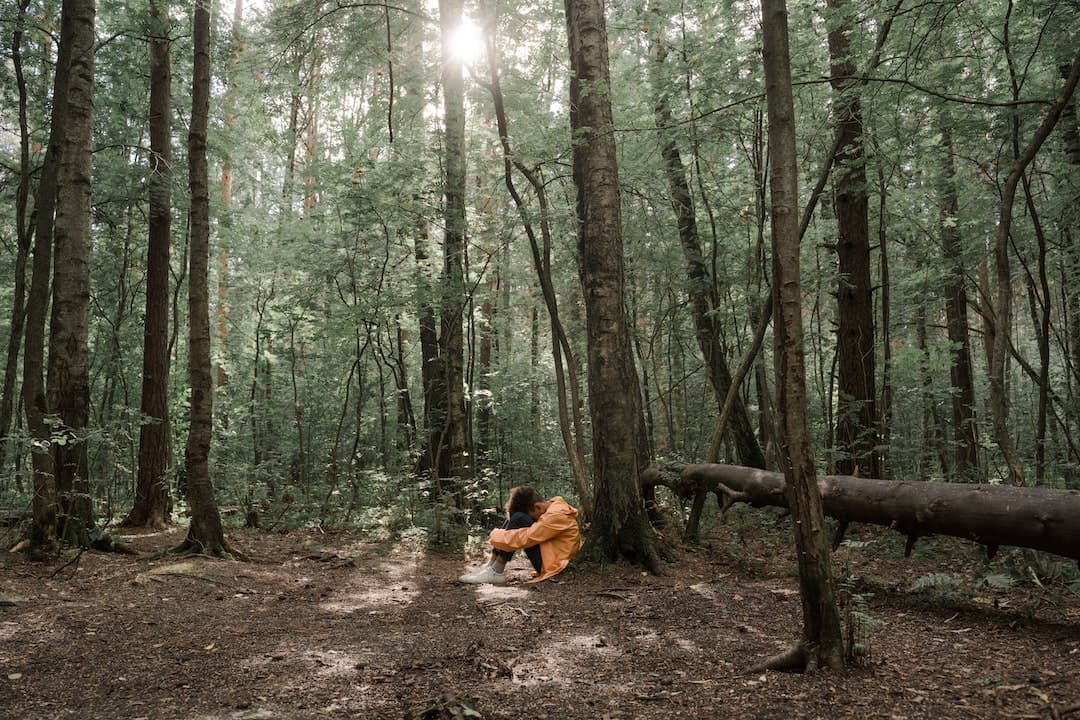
{"x": 620, "y": 525}
{"x": 152, "y": 496}
{"x": 432, "y": 460}
{"x": 994, "y": 515}
{"x": 205, "y": 533}
{"x": 856, "y": 431}
{"x": 961, "y": 374}
{"x": 451, "y": 338}
{"x": 24, "y": 235}
{"x": 43, "y": 526}
{"x": 68, "y": 382}
{"x": 822, "y": 643}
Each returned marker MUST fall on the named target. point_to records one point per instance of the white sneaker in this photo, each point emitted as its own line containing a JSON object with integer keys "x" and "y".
{"x": 485, "y": 574}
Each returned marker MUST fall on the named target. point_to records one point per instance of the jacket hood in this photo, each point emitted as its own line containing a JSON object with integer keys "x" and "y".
{"x": 559, "y": 505}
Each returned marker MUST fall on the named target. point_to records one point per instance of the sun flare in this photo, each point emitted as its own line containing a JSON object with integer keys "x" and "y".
{"x": 466, "y": 42}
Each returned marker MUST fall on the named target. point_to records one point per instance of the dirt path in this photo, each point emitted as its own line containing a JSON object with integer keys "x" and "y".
{"x": 357, "y": 630}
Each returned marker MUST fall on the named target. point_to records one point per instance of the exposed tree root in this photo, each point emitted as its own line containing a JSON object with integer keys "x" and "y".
{"x": 92, "y": 540}
{"x": 108, "y": 543}
{"x": 195, "y": 548}
{"x": 804, "y": 657}
{"x": 794, "y": 659}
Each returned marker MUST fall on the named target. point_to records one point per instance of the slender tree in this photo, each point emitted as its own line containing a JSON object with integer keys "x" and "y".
{"x": 701, "y": 287}
{"x": 964, "y": 425}
{"x": 205, "y": 533}
{"x": 620, "y": 524}
{"x": 568, "y": 391}
{"x": 857, "y": 411}
{"x": 1002, "y": 310}
{"x": 822, "y": 643}
{"x": 152, "y": 496}
{"x": 23, "y": 237}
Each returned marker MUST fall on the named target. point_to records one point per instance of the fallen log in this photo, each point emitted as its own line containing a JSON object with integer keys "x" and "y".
{"x": 994, "y": 515}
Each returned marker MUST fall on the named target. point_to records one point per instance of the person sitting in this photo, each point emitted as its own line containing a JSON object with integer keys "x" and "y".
{"x": 547, "y": 530}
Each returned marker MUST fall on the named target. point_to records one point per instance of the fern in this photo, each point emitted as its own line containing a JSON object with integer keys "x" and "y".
{"x": 998, "y": 581}
{"x": 936, "y": 581}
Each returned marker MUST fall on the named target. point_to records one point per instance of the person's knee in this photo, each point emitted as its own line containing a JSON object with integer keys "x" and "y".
{"x": 519, "y": 520}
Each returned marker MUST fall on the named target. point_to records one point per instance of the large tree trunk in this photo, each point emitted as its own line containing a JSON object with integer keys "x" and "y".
{"x": 822, "y": 643}
{"x": 451, "y": 338}
{"x": 620, "y": 525}
{"x": 152, "y": 497}
{"x": 994, "y": 515}
{"x": 68, "y": 385}
{"x": 701, "y": 287}
{"x": 43, "y": 527}
{"x": 856, "y": 431}
{"x": 205, "y": 533}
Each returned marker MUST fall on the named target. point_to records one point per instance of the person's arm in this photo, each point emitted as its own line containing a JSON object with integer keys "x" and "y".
{"x": 548, "y": 526}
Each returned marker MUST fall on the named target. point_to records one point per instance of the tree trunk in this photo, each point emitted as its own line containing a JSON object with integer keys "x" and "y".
{"x": 68, "y": 383}
{"x": 620, "y": 525}
{"x": 405, "y": 418}
{"x": 152, "y": 497}
{"x": 260, "y": 393}
{"x": 822, "y": 643}
{"x": 856, "y": 431}
{"x": 298, "y": 465}
{"x": 701, "y": 287}
{"x": 432, "y": 459}
{"x": 994, "y": 515}
{"x": 205, "y": 533}
{"x": 451, "y": 339}
{"x": 23, "y": 235}
{"x": 43, "y": 527}
{"x": 965, "y": 441}
{"x": 485, "y": 406}
{"x": 933, "y": 435}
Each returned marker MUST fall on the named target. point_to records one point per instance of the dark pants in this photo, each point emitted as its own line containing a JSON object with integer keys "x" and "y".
{"x": 517, "y": 521}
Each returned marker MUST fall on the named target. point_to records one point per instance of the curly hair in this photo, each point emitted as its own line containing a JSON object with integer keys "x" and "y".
{"x": 522, "y": 499}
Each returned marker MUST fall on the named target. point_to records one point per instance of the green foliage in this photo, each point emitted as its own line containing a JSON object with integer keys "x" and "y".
{"x": 997, "y": 581}
{"x": 859, "y": 624}
{"x": 939, "y": 584}
{"x": 327, "y": 116}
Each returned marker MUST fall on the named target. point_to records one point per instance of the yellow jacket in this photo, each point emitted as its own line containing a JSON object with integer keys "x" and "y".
{"x": 556, "y": 532}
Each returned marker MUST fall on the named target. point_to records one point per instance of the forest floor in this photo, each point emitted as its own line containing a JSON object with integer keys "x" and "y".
{"x": 332, "y": 626}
